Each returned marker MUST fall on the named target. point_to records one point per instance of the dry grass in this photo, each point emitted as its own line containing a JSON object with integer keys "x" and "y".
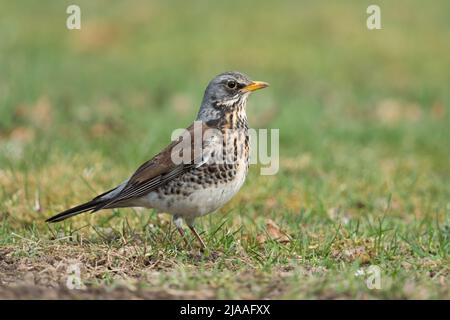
{"x": 364, "y": 173}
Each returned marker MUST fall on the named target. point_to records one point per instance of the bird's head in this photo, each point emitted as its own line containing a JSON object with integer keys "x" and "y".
{"x": 226, "y": 93}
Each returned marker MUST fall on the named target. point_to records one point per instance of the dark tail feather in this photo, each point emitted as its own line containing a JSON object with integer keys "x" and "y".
{"x": 94, "y": 205}
{"x": 91, "y": 205}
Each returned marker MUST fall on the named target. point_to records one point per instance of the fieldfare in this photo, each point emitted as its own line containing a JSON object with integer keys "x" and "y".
{"x": 201, "y": 170}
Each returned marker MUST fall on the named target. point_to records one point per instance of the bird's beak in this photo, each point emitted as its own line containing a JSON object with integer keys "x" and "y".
{"x": 255, "y": 85}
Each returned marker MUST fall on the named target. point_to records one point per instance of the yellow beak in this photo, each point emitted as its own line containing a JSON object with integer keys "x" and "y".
{"x": 255, "y": 85}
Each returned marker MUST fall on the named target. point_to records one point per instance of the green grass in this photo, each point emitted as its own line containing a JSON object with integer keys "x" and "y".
{"x": 364, "y": 125}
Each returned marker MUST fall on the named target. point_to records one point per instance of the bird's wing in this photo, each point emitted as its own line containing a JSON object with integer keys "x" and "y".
{"x": 161, "y": 168}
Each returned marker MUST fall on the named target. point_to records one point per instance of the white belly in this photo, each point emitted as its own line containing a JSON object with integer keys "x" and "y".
{"x": 199, "y": 202}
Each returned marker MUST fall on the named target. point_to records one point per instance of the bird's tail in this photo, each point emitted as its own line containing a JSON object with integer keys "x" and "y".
{"x": 90, "y": 205}
{"x": 94, "y": 205}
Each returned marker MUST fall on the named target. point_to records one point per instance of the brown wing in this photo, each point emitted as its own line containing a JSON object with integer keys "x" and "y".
{"x": 159, "y": 170}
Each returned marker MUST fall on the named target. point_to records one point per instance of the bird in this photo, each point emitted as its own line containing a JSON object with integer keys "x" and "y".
{"x": 198, "y": 172}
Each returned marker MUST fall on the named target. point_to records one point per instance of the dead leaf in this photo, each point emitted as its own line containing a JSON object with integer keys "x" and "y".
{"x": 99, "y": 130}
{"x": 438, "y": 110}
{"x": 96, "y": 36}
{"x": 22, "y": 134}
{"x": 271, "y": 203}
{"x": 41, "y": 112}
{"x": 391, "y": 111}
{"x": 273, "y": 233}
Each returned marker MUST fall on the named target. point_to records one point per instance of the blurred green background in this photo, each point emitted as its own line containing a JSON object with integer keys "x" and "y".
{"x": 363, "y": 115}
{"x": 139, "y": 68}
{"x": 345, "y": 96}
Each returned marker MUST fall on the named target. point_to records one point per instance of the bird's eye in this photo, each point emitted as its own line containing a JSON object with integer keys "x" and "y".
{"x": 231, "y": 84}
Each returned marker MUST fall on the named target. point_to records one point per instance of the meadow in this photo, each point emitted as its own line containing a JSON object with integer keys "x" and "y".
{"x": 364, "y": 169}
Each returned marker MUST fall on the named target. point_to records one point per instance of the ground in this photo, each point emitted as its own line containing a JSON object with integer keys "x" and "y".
{"x": 364, "y": 175}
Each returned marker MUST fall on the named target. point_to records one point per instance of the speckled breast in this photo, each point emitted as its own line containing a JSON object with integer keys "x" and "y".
{"x": 208, "y": 187}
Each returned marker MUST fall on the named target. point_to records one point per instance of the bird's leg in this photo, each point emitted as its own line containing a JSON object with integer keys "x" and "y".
{"x": 202, "y": 244}
{"x": 183, "y": 235}
{"x": 178, "y": 221}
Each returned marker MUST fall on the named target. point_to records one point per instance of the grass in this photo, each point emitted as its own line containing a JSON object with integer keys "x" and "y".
{"x": 364, "y": 125}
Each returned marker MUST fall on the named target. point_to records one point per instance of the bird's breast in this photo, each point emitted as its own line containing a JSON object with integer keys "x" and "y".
{"x": 208, "y": 187}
